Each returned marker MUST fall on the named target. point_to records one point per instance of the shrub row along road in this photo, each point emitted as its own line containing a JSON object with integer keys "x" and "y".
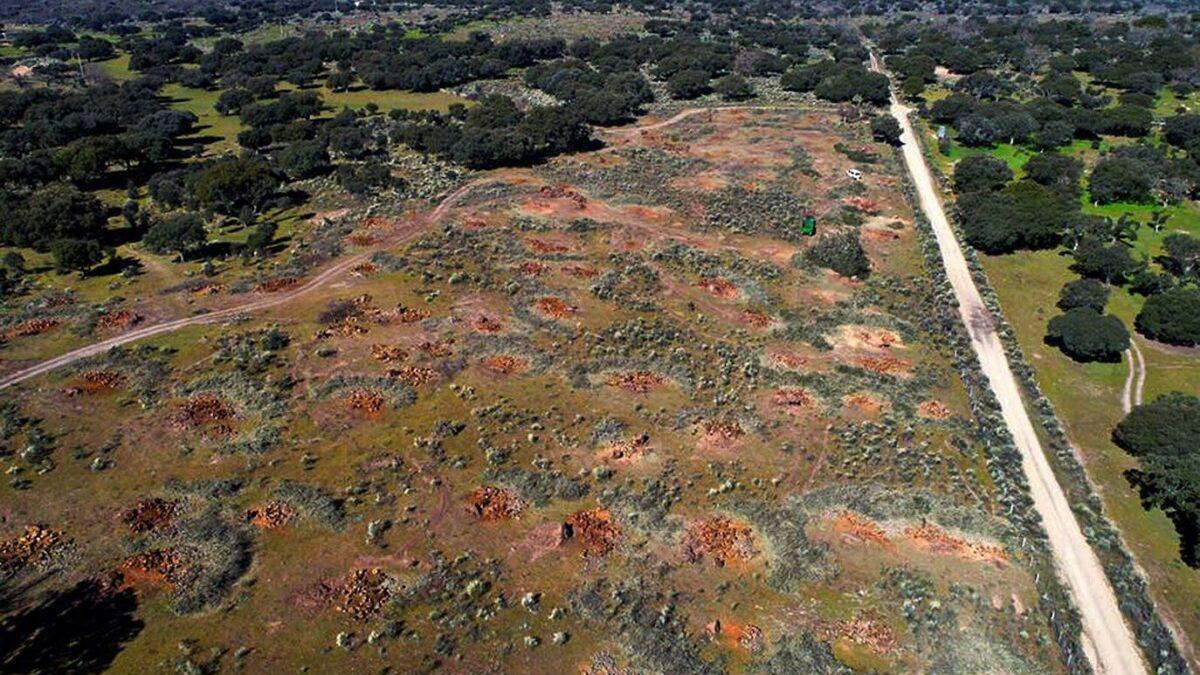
{"x": 1107, "y": 639}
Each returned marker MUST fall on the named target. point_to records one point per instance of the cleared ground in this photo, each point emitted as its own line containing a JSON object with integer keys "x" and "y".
{"x": 587, "y": 414}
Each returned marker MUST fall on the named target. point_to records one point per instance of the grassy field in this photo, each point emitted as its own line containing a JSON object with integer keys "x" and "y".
{"x": 1087, "y": 398}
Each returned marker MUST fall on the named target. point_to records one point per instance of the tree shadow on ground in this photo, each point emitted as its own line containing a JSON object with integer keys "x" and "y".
{"x": 81, "y": 629}
{"x": 1186, "y": 525}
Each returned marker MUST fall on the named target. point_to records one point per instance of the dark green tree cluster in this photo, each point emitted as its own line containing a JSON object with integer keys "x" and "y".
{"x": 838, "y": 82}
{"x": 1165, "y": 437}
{"x": 1084, "y": 334}
{"x": 497, "y": 133}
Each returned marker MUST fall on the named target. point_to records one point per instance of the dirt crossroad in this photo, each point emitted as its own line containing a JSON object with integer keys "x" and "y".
{"x": 1107, "y": 639}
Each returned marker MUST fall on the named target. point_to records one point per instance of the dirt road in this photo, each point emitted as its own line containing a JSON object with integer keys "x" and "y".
{"x": 1108, "y": 641}
{"x": 1135, "y": 380}
{"x": 405, "y": 232}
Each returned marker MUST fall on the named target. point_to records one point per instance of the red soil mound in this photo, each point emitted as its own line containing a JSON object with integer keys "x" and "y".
{"x": 364, "y": 594}
{"x": 388, "y": 353}
{"x": 555, "y": 308}
{"x": 720, "y": 287}
{"x": 637, "y": 382}
{"x": 271, "y": 515}
{"x": 721, "y": 539}
{"x": 150, "y": 514}
{"x": 493, "y": 503}
{"x": 367, "y": 401}
{"x": 594, "y": 529}
{"x": 201, "y": 409}
{"x": 35, "y": 545}
{"x": 118, "y": 319}
{"x": 29, "y": 328}
{"x": 413, "y": 376}
{"x": 503, "y": 364}
{"x": 276, "y": 285}
{"x": 933, "y": 409}
{"x": 854, "y": 527}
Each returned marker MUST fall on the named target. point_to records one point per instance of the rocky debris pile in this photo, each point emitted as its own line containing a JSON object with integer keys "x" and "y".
{"x": 486, "y": 324}
{"x": 413, "y": 376}
{"x": 36, "y": 546}
{"x": 162, "y": 567}
{"x": 792, "y": 397}
{"x": 755, "y": 319}
{"x": 151, "y": 514}
{"x": 364, "y": 269}
{"x": 933, "y": 538}
{"x": 118, "y": 319}
{"x": 627, "y": 450}
{"x": 866, "y": 630}
{"x": 277, "y": 285}
{"x": 437, "y": 348}
{"x": 504, "y": 364}
{"x": 95, "y": 381}
{"x": 29, "y": 328}
{"x": 637, "y": 382}
{"x": 554, "y": 307}
{"x": 933, "y": 409}
{"x": 388, "y": 353}
{"x": 725, "y": 430}
{"x": 564, "y": 192}
{"x": 721, "y": 539}
{"x": 364, "y": 593}
{"x": 202, "y": 409}
{"x": 856, "y": 528}
{"x": 271, "y": 515}
{"x": 595, "y": 530}
{"x": 749, "y": 637}
{"x": 494, "y": 503}
{"x": 580, "y": 271}
{"x": 365, "y": 400}
{"x": 719, "y": 287}
{"x": 884, "y": 365}
{"x": 530, "y": 268}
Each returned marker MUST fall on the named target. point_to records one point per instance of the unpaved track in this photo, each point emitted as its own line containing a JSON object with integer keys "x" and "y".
{"x": 1107, "y": 640}
{"x": 1135, "y": 380}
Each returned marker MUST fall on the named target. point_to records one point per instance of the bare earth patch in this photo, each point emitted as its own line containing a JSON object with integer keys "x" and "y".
{"x": 494, "y": 503}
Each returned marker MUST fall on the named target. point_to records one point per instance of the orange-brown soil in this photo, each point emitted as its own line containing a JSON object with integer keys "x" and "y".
{"x": 554, "y": 307}
{"x": 271, "y": 515}
{"x": 150, "y": 514}
{"x": 933, "y": 538}
{"x": 388, "y": 353}
{"x": 493, "y": 503}
{"x": 933, "y": 409}
{"x": 854, "y": 527}
{"x": 637, "y": 382}
{"x": 36, "y": 544}
{"x": 118, "y": 319}
{"x": 721, "y": 539}
{"x": 503, "y": 364}
{"x": 595, "y": 530}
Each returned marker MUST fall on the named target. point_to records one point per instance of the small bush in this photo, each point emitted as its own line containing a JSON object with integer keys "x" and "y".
{"x": 842, "y": 253}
